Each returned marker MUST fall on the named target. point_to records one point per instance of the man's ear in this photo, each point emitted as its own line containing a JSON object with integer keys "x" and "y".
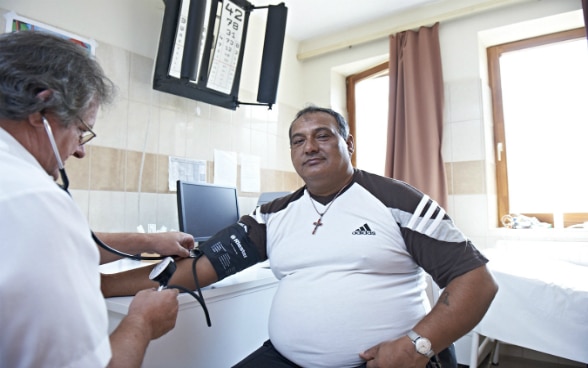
{"x": 36, "y": 119}
{"x": 350, "y": 145}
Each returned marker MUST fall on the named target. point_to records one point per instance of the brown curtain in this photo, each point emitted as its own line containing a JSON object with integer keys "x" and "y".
{"x": 415, "y": 126}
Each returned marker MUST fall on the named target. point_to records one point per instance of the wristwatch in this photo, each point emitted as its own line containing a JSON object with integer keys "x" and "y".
{"x": 422, "y": 344}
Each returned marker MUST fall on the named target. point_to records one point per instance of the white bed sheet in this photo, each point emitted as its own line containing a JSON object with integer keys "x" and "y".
{"x": 542, "y": 304}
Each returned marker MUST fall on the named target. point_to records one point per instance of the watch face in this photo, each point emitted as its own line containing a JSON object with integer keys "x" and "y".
{"x": 423, "y": 345}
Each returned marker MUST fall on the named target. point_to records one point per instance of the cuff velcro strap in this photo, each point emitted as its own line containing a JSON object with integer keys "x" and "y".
{"x": 230, "y": 251}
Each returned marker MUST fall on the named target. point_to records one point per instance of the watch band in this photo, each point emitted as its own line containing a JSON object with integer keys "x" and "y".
{"x": 422, "y": 344}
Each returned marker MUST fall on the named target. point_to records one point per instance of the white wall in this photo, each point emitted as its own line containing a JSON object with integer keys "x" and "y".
{"x": 468, "y": 111}
{"x": 108, "y": 185}
{"x": 468, "y": 125}
{"x": 134, "y": 25}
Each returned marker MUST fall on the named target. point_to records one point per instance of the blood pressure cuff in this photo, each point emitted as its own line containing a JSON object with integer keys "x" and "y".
{"x": 230, "y": 250}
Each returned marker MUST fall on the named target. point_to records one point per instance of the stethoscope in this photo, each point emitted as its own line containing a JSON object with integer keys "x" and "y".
{"x": 163, "y": 271}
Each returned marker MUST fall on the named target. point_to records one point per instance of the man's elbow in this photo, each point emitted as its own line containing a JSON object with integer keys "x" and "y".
{"x": 486, "y": 285}
{"x": 477, "y": 284}
{"x": 492, "y": 285}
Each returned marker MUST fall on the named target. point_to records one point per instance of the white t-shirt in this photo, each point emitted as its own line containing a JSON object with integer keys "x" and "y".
{"x": 359, "y": 280}
{"x": 52, "y": 313}
{"x": 326, "y": 278}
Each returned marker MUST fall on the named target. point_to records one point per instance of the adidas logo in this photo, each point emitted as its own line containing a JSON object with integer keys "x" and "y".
{"x": 364, "y": 230}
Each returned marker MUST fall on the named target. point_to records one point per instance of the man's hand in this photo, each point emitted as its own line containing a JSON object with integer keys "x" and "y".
{"x": 398, "y": 353}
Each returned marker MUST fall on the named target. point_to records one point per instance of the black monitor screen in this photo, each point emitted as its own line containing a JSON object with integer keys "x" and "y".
{"x": 204, "y": 209}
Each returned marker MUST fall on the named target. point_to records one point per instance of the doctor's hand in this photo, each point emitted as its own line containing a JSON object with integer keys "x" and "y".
{"x": 398, "y": 353}
{"x": 151, "y": 315}
{"x": 172, "y": 243}
{"x": 155, "y": 310}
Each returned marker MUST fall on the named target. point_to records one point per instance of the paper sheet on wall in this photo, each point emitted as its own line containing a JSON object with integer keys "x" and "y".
{"x": 250, "y": 173}
{"x": 15, "y": 22}
{"x": 185, "y": 169}
{"x": 225, "y": 168}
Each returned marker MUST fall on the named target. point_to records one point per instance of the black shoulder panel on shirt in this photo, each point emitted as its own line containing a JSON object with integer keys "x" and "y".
{"x": 280, "y": 203}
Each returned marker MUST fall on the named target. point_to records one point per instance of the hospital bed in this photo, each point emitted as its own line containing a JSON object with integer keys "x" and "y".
{"x": 542, "y": 304}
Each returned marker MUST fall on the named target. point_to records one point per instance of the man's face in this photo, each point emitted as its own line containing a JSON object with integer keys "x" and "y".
{"x": 316, "y": 148}
{"x": 67, "y": 140}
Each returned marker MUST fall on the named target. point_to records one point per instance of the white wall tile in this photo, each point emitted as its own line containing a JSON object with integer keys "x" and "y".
{"x": 172, "y": 133}
{"x": 116, "y": 64}
{"x": 272, "y": 149}
{"x": 447, "y": 143}
{"x": 142, "y": 128}
{"x": 222, "y": 135}
{"x": 467, "y": 141}
{"x": 464, "y": 100}
{"x": 220, "y": 114}
{"x": 107, "y": 211}
{"x": 198, "y": 141}
{"x": 167, "y": 211}
{"x": 466, "y": 220}
{"x": 147, "y": 209}
{"x": 247, "y": 204}
{"x": 111, "y": 125}
{"x": 141, "y": 79}
{"x": 450, "y": 208}
{"x": 283, "y": 162}
{"x": 259, "y": 147}
{"x": 132, "y": 211}
{"x": 243, "y": 137}
{"x": 81, "y": 198}
{"x": 470, "y": 213}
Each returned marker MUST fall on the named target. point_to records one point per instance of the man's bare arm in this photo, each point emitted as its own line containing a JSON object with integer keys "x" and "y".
{"x": 130, "y": 282}
{"x": 459, "y": 309}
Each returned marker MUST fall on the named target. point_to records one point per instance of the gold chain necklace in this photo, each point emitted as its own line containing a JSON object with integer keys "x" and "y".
{"x": 318, "y": 222}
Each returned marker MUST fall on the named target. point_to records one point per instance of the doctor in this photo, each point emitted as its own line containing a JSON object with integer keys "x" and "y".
{"x": 52, "y": 311}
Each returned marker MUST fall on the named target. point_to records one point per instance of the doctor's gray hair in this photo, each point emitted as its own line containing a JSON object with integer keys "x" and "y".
{"x": 35, "y": 61}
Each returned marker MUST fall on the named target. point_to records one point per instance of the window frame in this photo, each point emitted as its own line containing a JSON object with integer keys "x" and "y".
{"x": 501, "y": 155}
{"x": 350, "y": 82}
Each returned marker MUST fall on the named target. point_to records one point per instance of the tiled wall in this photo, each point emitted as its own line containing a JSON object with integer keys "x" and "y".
{"x": 467, "y": 152}
{"x": 123, "y": 180}
{"x": 144, "y": 127}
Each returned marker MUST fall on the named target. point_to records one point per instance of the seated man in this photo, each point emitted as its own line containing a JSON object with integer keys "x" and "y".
{"x": 350, "y": 250}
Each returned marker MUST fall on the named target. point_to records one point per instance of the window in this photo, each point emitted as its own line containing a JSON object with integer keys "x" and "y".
{"x": 539, "y": 93}
{"x": 367, "y": 104}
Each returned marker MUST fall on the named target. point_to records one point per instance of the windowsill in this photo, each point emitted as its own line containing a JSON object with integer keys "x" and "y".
{"x": 540, "y": 234}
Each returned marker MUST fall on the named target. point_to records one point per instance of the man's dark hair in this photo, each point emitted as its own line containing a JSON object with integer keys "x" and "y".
{"x": 342, "y": 126}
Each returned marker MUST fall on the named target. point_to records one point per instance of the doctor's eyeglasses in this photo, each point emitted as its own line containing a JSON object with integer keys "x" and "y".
{"x": 86, "y": 135}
